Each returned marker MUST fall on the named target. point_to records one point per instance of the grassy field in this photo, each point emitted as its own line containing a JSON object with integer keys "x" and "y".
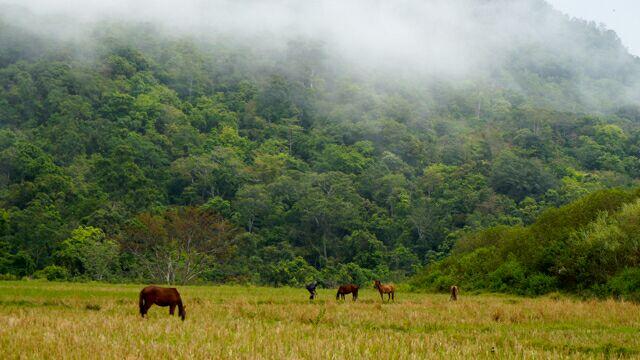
{"x": 81, "y": 321}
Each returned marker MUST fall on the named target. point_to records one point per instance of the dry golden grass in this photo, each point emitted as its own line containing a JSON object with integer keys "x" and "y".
{"x": 81, "y": 321}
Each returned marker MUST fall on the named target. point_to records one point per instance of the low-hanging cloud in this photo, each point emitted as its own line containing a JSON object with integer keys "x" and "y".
{"x": 450, "y": 36}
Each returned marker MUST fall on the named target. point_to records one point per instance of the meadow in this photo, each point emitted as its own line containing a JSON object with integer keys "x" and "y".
{"x": 44, "y": 320}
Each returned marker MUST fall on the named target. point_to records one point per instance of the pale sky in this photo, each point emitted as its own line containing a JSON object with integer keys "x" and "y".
{"x": 622, "y": 16}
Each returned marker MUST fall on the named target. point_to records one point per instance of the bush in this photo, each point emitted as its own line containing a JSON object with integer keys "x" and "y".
{"x": 8, "y": 277}
{"x": 433, "y": 280}
{"x": 334, "y": 275}
{"x": 52, "y": 273}
{"x": 541, "y": 284}
{"x": 626, "y": 284}
{"x": 601, "y": 291}
{"x": 443, "y": 283}
{"x": 353, "y": 273}
{"x": 509, "y": 277}
{"x": 88, "y": 252}
{"x": 296, "y": 272}
{"x": 20, "y": 264}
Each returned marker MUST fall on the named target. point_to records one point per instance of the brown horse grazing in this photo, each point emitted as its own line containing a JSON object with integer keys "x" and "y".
{"x": 388, "y": 289}
{"x": 454, "y": 293}
{"x": 347, "y": 289}
{"x": 161, "y": 297}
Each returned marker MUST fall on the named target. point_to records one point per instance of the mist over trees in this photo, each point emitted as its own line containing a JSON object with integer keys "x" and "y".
{"x": 132, "y": 150}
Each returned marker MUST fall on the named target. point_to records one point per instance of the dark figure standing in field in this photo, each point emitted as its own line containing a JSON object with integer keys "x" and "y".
{"x": 388, "y": 289}
{"x": 312, "y": 290}
{"x": 347, "y": 289}
{"x": 161, "y": 297}
{"x": 454, "y": 293}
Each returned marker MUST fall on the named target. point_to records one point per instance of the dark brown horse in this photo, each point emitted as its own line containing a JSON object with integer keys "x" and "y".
{"x": 388, "y": 289}
{"x": 161, "y": 297}
{"x": 347, "y": 289}
{"x": 454, "y": 293}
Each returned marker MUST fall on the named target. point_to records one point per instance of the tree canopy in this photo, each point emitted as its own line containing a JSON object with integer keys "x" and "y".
{"x": 132, "y": 155}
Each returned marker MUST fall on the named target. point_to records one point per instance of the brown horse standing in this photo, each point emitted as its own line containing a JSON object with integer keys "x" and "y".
{"x": 388, "y": 289}
{"x": 161, "y": 297}
{"x": 454, "y": 293}
{"x": 347, "y": 289}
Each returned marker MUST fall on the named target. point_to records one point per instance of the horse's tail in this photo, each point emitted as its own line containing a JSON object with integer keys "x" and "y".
{"x": 141, "y": 303}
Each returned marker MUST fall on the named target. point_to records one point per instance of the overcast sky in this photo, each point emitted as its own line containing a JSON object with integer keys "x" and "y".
{"x": 622, "y": 16}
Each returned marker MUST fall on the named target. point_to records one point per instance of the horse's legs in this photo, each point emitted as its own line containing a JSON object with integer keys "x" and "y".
{"x": 381, "y": 296}
{"x": 181, "y": 311}
{"x": 145, "y": 308}
{"x": 172, "y": 309}
{"x": 393, "y": 296}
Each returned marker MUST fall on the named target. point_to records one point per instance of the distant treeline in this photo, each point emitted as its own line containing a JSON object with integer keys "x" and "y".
{"x": 133, "y": 155}
{"x": 590, "y": 246}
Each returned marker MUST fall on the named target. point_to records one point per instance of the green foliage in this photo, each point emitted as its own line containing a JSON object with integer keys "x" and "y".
{"x": 342, "y": 158}
{"x": 52, "y": 273}
{"x": 626, "y": 284}
{"x": 315, "y": 170}
{"x": 433, "y": 280}
{"x": 540, "y": 284}
{"x": 9, "y": 277}
{"x": 519, "y": 177}
{"x": 88, "y": 252}
{"x": 350, "y": 273}
{"x": 294, "y": 272}
{"x": 508, "y": 277}
{"x": 590, "y": 245}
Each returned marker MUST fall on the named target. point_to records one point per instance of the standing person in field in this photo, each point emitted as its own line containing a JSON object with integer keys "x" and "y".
{"x": 311, "y": 288}
{"x": 162, "y": 297}
{"x": 388, "y": 289}
{"x": 454, "y": 293}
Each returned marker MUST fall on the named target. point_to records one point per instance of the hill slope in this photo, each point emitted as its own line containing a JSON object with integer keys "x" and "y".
{"x": 316, "y": 166}
{"x": 590, "y": 246}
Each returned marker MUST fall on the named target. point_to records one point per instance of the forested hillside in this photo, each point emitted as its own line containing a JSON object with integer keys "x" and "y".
{"x": 131, "y": 153}
{"x": 589, "y": 246}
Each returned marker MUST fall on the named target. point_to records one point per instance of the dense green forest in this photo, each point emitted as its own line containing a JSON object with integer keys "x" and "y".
{"x": 132, "y": 153}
